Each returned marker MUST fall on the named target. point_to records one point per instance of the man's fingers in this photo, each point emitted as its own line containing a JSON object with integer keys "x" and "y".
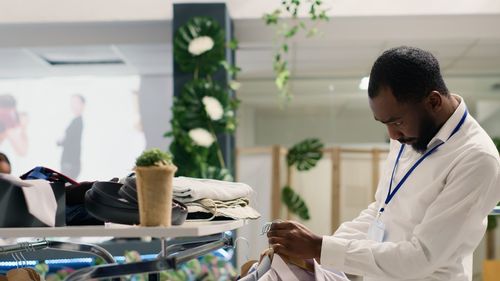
{"x": 278, "y": 233}
{"x": 280, "y": 249}
{"x": 282, "y": 225}
{"x": 277, "y": 240}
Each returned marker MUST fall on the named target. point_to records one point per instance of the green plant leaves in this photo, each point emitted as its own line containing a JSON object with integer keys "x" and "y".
{"x": 306, "y": 154}
{"x": 289, "y": 9}
{"x": 154, "y": 157}
{"x": 294, "y": 203}
{"x": 217, "y": 173}
{"x": 207, "y": 62}
{"x": 190, "y": 113}
{"x": 204, "y": 110}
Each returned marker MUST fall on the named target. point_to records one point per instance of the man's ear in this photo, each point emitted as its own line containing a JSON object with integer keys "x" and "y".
{"x": 434, "y": 101}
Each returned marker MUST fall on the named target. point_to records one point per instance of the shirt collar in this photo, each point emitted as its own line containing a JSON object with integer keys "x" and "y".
{"x": 450, "y": 124}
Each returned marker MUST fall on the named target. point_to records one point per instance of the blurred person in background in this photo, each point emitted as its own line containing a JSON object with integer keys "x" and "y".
{"x": 4, "y": 164}
{"x": 72, "y": 141}
{"x": 13, "y": 135}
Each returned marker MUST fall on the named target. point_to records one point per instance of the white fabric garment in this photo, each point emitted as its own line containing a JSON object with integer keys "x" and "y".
{"x": 235, "y": 209}
{"x": 280, "y": 271}
{"x": 41, "y": 201}
{"x": 14, "y": 180}
{"x": 437, "y": 218}
{"x": 191, "y": 189}
{"x": 39, "y": 196}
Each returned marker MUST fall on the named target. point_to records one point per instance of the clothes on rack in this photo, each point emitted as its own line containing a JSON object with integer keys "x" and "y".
{"x": 22, "y": 274}
{"x": 187, "y": 189}
{"x": 273, "y": 267}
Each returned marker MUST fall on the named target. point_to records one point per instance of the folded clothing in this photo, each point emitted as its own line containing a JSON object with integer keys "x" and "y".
{"x": 232, "y": 209}
{"x": 191, "y": 189}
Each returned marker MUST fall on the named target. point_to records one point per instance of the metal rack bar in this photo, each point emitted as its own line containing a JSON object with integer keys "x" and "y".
{"x": 160, "y": 264}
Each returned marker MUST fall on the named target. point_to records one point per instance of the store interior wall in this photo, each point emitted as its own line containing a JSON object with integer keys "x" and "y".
{"x": 155, "y": 100}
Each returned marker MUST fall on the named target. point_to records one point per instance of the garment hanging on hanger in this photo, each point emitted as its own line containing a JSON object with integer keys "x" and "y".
{"x": 23, "y": 274}
{"x": 274, "y": 267}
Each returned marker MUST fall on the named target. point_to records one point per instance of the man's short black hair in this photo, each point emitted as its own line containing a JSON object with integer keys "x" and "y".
{"x": 411, "y": 73}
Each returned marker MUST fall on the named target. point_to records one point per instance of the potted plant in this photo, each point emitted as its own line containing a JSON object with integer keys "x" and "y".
{"x": 155, "y": 172}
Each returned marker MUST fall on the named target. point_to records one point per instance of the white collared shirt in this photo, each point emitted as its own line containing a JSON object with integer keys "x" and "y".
{"x": 437, "y": 218}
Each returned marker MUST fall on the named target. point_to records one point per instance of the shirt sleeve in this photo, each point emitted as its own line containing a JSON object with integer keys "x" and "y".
{"x": 452, "y": 226}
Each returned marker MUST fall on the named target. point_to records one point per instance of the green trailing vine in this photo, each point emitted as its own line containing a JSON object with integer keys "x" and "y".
{"x": 287, "y": 30}
{"x": 303, "y": 156}
{"x": 204, "y": 110}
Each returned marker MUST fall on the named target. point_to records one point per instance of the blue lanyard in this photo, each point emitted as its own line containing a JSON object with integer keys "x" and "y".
{"x": 391, "y": 193}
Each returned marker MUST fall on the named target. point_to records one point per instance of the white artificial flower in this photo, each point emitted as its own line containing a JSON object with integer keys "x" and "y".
{"x": 213, "y": 108}
{"x": 201, "y": 137}
{"x": 200, "y": 45}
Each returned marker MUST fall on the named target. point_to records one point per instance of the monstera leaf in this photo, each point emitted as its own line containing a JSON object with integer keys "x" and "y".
{"x": 305, "y": 155}
{"x": 209, "y": 51}
{"x": 294, "y": 203}
{"x": 190, "y": 112}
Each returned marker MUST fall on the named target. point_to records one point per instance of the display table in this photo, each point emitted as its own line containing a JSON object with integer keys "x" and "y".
{"x": 188, "y": 229}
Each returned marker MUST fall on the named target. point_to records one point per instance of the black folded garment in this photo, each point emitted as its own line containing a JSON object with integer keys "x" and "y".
{"x": 106, "y": 201}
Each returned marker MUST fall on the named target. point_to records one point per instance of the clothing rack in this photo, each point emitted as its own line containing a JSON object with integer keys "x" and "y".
{"x": 185, "y": 252}
{"x": 178, "y": 245}
{"x": 58, "y": 245}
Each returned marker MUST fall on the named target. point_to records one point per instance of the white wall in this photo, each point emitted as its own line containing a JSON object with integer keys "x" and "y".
{"x": 287, "y": 127}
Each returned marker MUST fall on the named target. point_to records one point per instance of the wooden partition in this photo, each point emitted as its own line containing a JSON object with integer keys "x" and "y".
{"x": 279, "y": 175}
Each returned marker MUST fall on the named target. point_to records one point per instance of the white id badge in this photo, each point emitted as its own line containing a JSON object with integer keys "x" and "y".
{"x": 376, "y": 231}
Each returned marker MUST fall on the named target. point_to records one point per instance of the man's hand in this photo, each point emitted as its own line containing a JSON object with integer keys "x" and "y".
{"x": 294, "y": 240}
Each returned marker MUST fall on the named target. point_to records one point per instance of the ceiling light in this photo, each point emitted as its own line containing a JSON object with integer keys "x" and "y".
{"x": 363, "y": 85}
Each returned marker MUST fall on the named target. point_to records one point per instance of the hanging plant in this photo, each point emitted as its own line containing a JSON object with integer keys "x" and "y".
{"x": 286, "y": 31}
{"x": 295, "y": 203}
{"x": 204, "y": 110}
{"x": 199, "y": 46}
{"x": 303, "y": 156}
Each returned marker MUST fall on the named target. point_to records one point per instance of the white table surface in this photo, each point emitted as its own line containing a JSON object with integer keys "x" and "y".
{"x": 188, "y": 229}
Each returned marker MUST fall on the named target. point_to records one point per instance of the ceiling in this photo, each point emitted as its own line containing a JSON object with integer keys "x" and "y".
{"x": 327, "y": 68}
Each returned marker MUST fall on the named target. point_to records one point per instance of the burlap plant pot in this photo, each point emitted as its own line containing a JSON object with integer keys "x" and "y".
{"x": 154, "y": 191}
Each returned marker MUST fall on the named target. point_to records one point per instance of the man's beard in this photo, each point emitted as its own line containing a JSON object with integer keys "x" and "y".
{"x": 428, "y": 129}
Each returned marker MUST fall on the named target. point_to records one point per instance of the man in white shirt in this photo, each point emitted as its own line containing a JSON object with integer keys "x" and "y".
{"x": 440, "y": 181}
